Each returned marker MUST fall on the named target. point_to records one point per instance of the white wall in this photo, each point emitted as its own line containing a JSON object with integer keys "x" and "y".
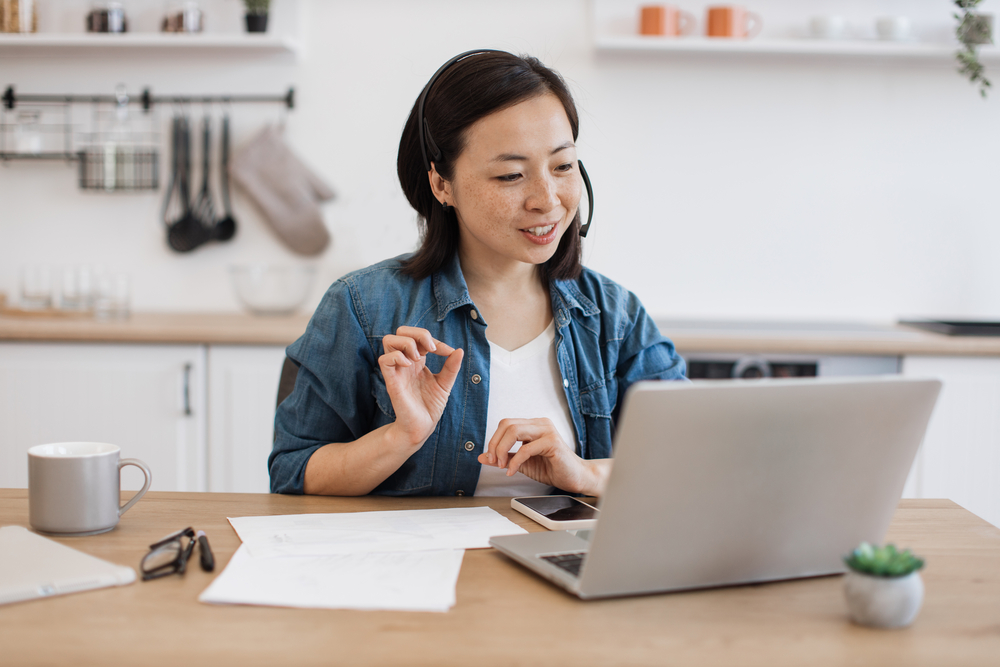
{"x": 726, "y": 187}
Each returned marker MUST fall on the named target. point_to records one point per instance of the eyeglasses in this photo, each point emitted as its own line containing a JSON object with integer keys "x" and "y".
{"x": 170, "y": 555}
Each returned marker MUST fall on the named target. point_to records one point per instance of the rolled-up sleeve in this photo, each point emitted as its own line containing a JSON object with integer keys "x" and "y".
{"x": 645, "y": 353}
{"x": 332, "y": 400}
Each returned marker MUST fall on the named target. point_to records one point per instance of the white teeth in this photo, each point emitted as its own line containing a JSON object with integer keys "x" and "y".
{"x": 541, "y": 231}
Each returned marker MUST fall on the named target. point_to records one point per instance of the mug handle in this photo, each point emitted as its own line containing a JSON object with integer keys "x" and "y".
{"x": 754, "y": 24}
{"x": 145, "y": 487}
{"x": 685, "y": 23}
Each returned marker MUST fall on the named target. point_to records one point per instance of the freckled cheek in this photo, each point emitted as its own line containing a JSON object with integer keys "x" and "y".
{"x": 495, "y": 208}
{"x": 571, "y": 195}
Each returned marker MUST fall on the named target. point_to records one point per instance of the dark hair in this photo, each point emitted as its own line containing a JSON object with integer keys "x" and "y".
{"x": 473, "y": 88}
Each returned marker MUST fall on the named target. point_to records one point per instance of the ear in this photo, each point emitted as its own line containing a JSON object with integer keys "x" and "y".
{"x": 440, "y": 187}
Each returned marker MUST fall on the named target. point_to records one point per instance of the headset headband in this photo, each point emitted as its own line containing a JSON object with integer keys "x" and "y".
{"x": 430, "y": 151}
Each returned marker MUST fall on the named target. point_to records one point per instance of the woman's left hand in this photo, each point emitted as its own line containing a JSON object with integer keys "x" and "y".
{"x": 544, "y": 457}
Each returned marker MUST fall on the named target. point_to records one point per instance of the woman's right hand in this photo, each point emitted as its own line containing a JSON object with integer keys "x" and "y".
{"x": 418, "y": 396}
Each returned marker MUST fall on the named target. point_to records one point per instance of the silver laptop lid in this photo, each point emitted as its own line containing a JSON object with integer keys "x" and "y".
{"x": 721, "y": 482}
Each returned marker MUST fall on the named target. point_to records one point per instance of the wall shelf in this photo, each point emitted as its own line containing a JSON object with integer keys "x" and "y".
{"x": 60, "y": 44}
{"x": 786, "y": 47}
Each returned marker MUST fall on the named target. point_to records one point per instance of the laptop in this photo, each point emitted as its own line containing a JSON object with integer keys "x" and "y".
{"x": 721, "y": 483}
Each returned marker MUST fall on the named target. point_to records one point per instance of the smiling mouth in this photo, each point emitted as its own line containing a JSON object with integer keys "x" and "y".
{"x": 540, "y": 231}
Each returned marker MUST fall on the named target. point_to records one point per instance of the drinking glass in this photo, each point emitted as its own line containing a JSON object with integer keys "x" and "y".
{"x": 112, "y": 297}
{"x": 36, "y": 287}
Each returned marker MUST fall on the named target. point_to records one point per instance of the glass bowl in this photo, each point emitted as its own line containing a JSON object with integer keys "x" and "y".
{"x": 267, "y": 289}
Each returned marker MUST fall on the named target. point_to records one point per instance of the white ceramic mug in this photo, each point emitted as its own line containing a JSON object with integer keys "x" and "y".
{"x": 828, "y": 27}
{"x": 893, "y": 28}
{"x": 74, "y": 487}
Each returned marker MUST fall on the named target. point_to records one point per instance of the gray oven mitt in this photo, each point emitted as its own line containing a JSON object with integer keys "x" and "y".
{"x": 286, "y": 191}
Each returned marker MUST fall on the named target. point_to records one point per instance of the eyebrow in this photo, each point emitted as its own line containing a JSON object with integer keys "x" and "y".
{"x": 510, "y": 157}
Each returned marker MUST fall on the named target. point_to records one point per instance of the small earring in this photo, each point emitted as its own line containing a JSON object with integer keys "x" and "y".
{"x": 444, "y": 205}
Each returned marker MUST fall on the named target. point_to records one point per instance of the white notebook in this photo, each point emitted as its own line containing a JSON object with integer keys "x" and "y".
{"x": 32, "y": 566}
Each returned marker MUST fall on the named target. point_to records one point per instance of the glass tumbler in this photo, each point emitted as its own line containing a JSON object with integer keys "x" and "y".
{"x": 36, "y": 287}
{"x": 113, "y": 296}
{"x": 76, "y": 288}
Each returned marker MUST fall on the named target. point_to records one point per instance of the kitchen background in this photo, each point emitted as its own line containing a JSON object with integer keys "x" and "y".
{"x": 797, "y": 186}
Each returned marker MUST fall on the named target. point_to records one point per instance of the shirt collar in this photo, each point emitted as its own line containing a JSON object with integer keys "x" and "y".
{"x": 451, "y": 291}
{"x": 567, "y": 294}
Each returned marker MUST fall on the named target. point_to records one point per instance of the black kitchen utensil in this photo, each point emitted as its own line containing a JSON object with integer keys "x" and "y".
{"x": 186, "y": 233}
{"x": 204, "y": 207}
{"x": 173, "y": 184}
{"x": 225, "y": 227}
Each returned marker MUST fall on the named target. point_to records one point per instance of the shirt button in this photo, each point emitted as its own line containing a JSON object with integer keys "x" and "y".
{"x": 476, "y": 379}
{"x": 566, "y": 383}
{"x": 469, "y": 446}
{"x": 473, "y": 314}
{"x": 460, "y": 492}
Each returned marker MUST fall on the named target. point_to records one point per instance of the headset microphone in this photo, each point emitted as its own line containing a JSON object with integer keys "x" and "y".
{"x": 430, "y": 151}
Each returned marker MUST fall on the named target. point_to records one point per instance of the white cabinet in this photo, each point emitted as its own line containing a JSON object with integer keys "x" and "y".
{"x": 147, "y": 399}
{"x": 201, "y": 416}
{"x": 960, "y": 456}
{"x": 243, "y": 387}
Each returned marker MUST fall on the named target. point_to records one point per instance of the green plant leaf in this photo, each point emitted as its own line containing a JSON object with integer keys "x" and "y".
{"x": 885, "y": 561}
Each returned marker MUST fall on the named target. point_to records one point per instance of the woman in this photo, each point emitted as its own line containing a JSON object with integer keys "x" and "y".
{"x": 421, "y": 374}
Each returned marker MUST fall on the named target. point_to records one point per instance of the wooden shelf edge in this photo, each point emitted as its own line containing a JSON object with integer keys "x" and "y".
{"x": 151, "y": 41}
{"x": 785, "y": 47}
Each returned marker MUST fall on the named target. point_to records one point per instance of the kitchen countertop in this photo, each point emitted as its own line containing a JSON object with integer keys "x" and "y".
{"x": 811, "y": 338}
{"x": 170, "y": 328}
{"x": 746, "y": 337}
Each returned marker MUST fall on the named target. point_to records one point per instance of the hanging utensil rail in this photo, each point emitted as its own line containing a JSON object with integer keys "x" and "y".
{"x": 147, "y": 100}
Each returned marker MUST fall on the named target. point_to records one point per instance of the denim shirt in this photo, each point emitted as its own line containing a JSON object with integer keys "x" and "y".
{"x": 605, "y": 341}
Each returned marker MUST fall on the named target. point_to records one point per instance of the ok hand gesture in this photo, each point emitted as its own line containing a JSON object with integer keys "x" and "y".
{"x": 418, "y": 396}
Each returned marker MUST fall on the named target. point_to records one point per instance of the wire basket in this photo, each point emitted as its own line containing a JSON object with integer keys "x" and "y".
{"x": 119, "y": 167}
{"x": 117, "y": 149}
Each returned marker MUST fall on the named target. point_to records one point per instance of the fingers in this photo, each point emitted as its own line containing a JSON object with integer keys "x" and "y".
{"x": 414, "y": 342}
{"x": 449, "y": 372}
{"x": 526, "y": 451}
{"x": 419, "y": 335}
{"x": 510, "y": 431}
{"x": 394, "y": 359}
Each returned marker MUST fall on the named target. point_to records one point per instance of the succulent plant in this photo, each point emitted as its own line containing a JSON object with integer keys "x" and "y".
{"x": 884, "y": 561}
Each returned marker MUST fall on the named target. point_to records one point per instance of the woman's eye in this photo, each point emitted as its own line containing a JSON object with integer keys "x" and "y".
{"x": 509, "y": 178}
{"x": 565, "y": 167}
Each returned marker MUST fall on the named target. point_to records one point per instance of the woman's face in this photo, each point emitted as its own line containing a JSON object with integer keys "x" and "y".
{"x": 516, "y": 185}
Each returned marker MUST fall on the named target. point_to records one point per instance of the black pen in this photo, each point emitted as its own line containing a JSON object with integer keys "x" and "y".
{"x": 207, "y": 559}
{"x": 185, "y": 555}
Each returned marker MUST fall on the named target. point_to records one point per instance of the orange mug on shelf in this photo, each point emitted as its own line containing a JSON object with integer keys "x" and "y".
{"x": 732, "y": 21}
{"x": 665, "y": 20}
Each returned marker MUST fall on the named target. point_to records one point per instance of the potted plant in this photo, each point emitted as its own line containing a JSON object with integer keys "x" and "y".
{"x": 973, "y": 29}
{"x": 883, "y": 586}
{"x": 257, "y": 14}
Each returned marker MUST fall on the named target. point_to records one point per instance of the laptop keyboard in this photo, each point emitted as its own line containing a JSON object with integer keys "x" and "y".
{"x": 569, "y": 562}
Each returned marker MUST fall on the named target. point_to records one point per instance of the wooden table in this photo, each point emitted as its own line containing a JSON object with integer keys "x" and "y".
{"x": 504, "y": 615}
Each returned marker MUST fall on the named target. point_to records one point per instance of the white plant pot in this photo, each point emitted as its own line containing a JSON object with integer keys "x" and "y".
{"x": 883, "y": 602}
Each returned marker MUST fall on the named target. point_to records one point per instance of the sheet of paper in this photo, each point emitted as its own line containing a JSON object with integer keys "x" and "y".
{"x": 403, "y": 530}
{"x": 398, "y": 581}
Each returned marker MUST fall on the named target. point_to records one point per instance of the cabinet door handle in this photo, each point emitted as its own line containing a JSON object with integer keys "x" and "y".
{"x": 187, "y": 390}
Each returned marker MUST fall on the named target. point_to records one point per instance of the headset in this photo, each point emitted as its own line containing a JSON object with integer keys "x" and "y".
{"x": 430, "y": 151}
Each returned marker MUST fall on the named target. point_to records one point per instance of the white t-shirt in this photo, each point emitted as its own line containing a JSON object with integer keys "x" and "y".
{"x": 524, "y": 384}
